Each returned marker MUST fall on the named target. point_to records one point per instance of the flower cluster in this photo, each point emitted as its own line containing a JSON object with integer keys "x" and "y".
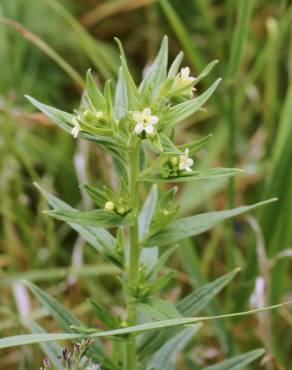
{"x": 75, "y": 360}
{"x": 90, "y": 119}
{"x": 177, "y": 165}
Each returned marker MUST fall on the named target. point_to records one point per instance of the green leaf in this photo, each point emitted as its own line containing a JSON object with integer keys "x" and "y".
{"x": 147, "y": 212}
{"x": 121, "y": 98}
{"x": 168, "y": 146}
{"x": 173, "y": 70}
{"x": 209, "y": 174}
{"x": 199, "y": 298}
{"x": 196, "y": 145}
{"x": 188, "y": 306}
{"x": 96, "y": 217}
{"x": 156, "y": 73}
{"x": 198, "y": 224}
{"x": 51, "y": 349}
{"x": 97, "y": 196}
{"x": 66, "y": 319}
{"x": 99, "y": 238}
{"x": 159, "y": 283}
{"x": 64, "y": 120}
{"x": 137, "y": 329}
{"x": 94, "y": 95}
{"x": 109, "y": 320}
{"x": 164, "y": 358}
{"x": 206, "y": 71}
{"x": 237, "y": 362}
{"x": 108, "y": 98}
{"x": 158, "y": 309}
{"x": 183, "y": 110}
{"x": 133, "y": 95}
{"x": 162, "y": 259}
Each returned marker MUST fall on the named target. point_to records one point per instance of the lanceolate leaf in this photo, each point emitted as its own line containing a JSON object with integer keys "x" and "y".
{"x": 64, "y": 120}
{"x": 237, "y": 362}
{"x": 183, "y": 110}
{"x": 173, "y": 70}
{"x": 196, "y": 145}
{"x": 206, "y": 71}
{"x": 95, "y": 97}
{"x": 199, "y": 298}
{"x": 164, "y": 359}
{"x": 121, "y": 98}
{"x": 158, "y": 309}
{"x": 66, "y": 319}
{"x": 96, "y": 217}
{"x": 137, "y": 329}
{"x": 133, "y": 95}
{"x": 188, "y": 306}
{"x": 211, "y": 173}
{"x": 156, "y": 73}
{"x": 147, "y": 212}
{"x": 51, "y": 349}
{"x": 195, "y": 225}
{"x": 99, "y": 238}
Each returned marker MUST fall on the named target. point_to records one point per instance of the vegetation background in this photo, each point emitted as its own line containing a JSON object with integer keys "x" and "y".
{"x": 45, "y": 49}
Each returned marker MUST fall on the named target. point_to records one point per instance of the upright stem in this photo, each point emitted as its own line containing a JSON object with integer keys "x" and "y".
{"x": 133, "y": 263}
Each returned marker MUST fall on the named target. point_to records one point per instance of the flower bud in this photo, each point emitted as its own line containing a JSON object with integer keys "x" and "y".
{"x": 109, "y": 206}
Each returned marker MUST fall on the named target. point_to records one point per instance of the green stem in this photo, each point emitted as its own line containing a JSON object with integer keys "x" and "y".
{"x": 133, "y": 263}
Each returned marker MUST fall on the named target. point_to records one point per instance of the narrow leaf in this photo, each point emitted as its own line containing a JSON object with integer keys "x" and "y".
{"x": 209, "y": 174}
{"x": 66, "y": 319}
{"x": 99, "y": 238}
{"x": 156, "y": 73}
{"x": 188, "y": 306}
{"x": 96, "y": 217}
{"x": 164, "y": 358}
{"x": 183, "y": 110}
{"x": 238, "y": 362}
{"x": 198, "y": 224}
{"x": 64, "y": 121}
{"x": 121, "y": 98}
{"x": 137, "y": 329}
{"x": 94, "y": 95}
{"x": 147, "y": 212}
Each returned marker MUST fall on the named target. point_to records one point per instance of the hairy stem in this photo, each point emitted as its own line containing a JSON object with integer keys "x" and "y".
{"x": 133, "y": 263}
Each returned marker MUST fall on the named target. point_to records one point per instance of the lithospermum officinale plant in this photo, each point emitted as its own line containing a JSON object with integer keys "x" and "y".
{"x": 137, "y": 129}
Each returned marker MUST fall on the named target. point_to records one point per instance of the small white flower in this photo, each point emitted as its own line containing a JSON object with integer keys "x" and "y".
{"x": 144, "y": 121}
{"x": 185, "y": 75}
{"x": 76, "y": 129}
{"x": 185, "y": 163}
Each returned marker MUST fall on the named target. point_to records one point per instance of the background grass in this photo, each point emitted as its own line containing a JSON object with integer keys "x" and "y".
{"x": 45, "y": 48}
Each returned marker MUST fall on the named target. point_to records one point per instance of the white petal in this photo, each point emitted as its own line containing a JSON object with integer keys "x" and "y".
{"x": 138, "y": 116}
{"x": 187, "y": 152}
{"x": 149, "y": 129}
{"x": 147, "y": 112}
{"x": 189, "y": 162}
{"x": 154, "y": 120}
{"x": 185, "y": 72}
{"x": 139, "y": 128}
{"x": 188, "y": 169}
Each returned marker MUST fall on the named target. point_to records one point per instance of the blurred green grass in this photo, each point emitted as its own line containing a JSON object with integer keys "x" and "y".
{"x": 250, "y": 117}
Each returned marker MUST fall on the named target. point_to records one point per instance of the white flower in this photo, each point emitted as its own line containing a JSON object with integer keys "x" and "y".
{"x": 185, "y": 75}
{"x": 76, "y": 129}
{"x": 144, "y": 121}
{"x": 185, "y": 163}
